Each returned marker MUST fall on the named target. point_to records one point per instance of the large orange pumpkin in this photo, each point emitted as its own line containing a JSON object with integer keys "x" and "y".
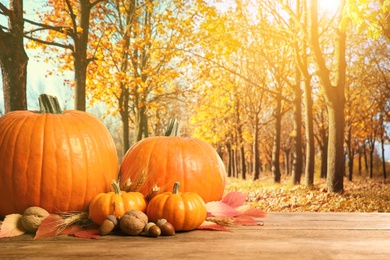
{"x": 56, "y": 160}
{"x": 161, "y": 161}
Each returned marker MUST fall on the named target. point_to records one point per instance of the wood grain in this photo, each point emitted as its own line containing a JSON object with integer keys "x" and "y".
{"x": 283, "y": 236}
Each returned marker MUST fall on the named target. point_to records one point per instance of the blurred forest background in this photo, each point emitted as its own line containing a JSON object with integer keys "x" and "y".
{"x": 293, "y": 87}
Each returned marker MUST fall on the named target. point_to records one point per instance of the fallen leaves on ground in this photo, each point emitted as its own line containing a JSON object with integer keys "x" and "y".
{"x": 360, "y": 195}
{"x": 12, "y": 226}
{"x": 230, "y": 211}
{"x": 53, "y": 225}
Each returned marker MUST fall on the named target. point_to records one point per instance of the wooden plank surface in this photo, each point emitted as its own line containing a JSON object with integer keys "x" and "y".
{"x": 283, "y": 236}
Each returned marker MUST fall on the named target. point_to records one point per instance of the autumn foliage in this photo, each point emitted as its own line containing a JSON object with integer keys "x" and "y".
{"x": 258, "y": 80}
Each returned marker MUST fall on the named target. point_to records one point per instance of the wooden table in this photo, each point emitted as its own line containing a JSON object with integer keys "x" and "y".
{"x": 283, "y": 236}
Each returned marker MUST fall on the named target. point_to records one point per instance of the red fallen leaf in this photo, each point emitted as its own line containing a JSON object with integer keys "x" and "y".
{"x": 53, "y": 226}
{"x": 245, "y": 220}
{"x": 208, "y": 225}
{"x": 11, "y": 226}
{"x": 220, "y": 209}
{"x": 235, "y": 199}
{"x": 232, "y": 206}
{"x": 91, "y": 232}
{"x": 251, "y": 211}
{"x": 50, "y": 226}
{"x": 70, "y": 229}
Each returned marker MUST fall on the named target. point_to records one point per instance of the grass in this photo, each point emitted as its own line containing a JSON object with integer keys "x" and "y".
{"x": 361, "y": 195}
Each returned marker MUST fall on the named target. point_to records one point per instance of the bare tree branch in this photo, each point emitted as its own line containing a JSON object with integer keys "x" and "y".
{"x": 70, "y": 47}
{"x": 96, "y": 2}
{"x": 5, "y": 10}
{"x": 60, "y": 29}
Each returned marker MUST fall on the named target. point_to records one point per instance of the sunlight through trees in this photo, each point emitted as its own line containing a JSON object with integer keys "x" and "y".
{"x": 294, "y": 87}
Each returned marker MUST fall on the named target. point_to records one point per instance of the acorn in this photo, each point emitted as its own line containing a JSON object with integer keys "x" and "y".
{"x": 108, "y": 225}
{"x": 167, "y": 228}
{"x": 152, "y": 230}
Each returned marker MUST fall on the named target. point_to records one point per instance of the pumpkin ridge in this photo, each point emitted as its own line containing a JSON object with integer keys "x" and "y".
{"x": 88, "y": 153}
{"x": 210, "y": 164}
{"x": 28, "y": 124}
{"x": 201, "y": 149}
{"x": 49, "y": 165}
{"x": 84, "y": 149}
{"x": 18, "y": 122}
{"x": 105, "y": 156}
{"x": 194, "y": 203}
{"x": 44, "y": 134}
{"x": 168, "y": 144}
{"x": 93, "y": 148}
{"x": 152, "y": 153}
{"x": 183, "y": 167}
{"x": 68, "y": 170}
{"x": 177, "y": 216}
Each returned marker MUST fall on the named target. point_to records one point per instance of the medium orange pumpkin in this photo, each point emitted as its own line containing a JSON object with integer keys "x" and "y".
{"x": 185, "y": 211}
{"x": 115, "y": 203}
{"x": 164, "y": 160}
{"x": 56, "y": 160}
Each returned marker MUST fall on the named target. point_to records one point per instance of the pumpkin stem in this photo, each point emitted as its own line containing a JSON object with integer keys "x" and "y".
{"x": 116, "y": 188}
{"x": 49, "y": 104}
{"x": 176, "y": 188}
{"x": 173, "y": 127}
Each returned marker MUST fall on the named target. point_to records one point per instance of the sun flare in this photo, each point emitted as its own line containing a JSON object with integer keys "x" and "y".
{"x": 329, "y": 5}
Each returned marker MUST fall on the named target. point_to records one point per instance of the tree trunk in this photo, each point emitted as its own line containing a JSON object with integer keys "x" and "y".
{"x": 383, "y": 158}
{"x": 360, "y": 161}
{"x": 351, "y": 156}
{"x": 334, "y": 95}
{"x": 365, "y": 158}
{"x": 124, "y": 112}
{"x": 13, "y": 59}
{"x": 297, "y": 161}
{"x": 80, "y": 82}
{"x": 350, "y": 153}
{"x": 324, "y": 159}
{"x": 240, "y": 141}
{"x": 276, "y": 143}
{"x": 235, "y": 165}
{"x": 243, "y": 163}
{"x": 124, "y": 97}
{"x": 141, "y": 124}
{"x": 336, "y": 161}
{"x": 309, "y": 132}
{"x": 287, "y": 153}
{"x": 256, "y": 155}
{"x": 371, "y": 151}
{"x": 382, "y": 134}
{"x": 229, "y": 163}
{"x": 80, "y": 55}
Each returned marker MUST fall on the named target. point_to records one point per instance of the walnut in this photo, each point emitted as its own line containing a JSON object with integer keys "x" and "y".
{"x": 33, "y": 217}
{"x": 133, "y": 222}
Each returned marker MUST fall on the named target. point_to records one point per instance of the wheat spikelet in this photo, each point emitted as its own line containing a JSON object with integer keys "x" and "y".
{"x": 221, "y": 221}
{"x": 137, "y": 184}
{"x": 153, "y": 192}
